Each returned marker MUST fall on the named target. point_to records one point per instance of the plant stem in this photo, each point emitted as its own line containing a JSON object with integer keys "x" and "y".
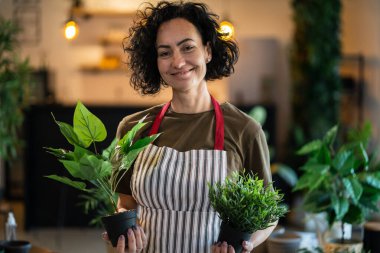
{"x": 109, "y": 193}
{"x": 96, "y": 151}
{"x": 342, "y": 228}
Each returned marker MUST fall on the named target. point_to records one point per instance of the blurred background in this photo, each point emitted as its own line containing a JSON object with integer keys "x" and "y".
{"x": 308, "y": 70}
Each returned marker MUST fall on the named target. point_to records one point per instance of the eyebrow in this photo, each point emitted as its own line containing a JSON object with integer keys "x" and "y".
{"x": 178, "y": 44}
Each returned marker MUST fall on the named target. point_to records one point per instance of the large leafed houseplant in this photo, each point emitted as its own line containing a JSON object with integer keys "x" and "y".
{"x": 339, "y": 181}
{"x": 94, "y": 173}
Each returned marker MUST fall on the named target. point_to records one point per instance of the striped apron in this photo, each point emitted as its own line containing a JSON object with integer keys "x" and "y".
{"x": 171, "y": 190}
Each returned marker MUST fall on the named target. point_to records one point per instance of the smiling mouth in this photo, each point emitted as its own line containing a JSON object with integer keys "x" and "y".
{"x": 182, "y": 73}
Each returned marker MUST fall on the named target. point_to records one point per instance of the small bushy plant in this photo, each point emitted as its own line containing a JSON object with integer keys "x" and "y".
{"x": 245, "y": 203}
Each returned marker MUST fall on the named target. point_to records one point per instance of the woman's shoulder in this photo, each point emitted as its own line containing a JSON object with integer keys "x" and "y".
{"x": 129, "y": 121}
{"x": 238, "y": 119}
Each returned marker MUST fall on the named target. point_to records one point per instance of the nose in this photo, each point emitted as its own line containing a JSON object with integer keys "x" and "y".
{"x": 178, "y": 61}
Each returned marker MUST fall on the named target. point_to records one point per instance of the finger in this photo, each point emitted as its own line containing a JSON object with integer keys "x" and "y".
{"x": 131, "y": 241}
{"x": 105, "y": 236}
{"x": 247, "y": 246}
{"x": 224, "y": 247}
{"x": 216, "y": 247}
{"x": 139, "y": 243}
{"x": 143, "y": 237}
{"x": 231, "y": 249}
{"x": 120, "y": 244}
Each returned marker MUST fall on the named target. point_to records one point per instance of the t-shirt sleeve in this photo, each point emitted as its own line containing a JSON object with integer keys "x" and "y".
{"x": 257, "y": 155}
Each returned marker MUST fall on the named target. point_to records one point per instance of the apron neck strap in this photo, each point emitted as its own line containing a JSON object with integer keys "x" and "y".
{"x": 219, "y": 126}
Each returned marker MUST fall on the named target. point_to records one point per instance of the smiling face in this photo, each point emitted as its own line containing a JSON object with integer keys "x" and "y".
{"x": 181, "y": 55}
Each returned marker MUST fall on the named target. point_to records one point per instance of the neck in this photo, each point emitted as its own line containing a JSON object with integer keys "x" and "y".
{"x": 191, "y": 101}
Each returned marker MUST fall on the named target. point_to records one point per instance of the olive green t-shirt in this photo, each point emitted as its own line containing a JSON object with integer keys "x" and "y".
{"x": 244, "y": 139}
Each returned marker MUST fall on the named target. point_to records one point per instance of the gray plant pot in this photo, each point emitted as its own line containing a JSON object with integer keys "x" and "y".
{"x": 118, "y": 224}
{"x": 233, "y": 236}
{"x": 16, "y": 246}
{"x": 287, "y": 242}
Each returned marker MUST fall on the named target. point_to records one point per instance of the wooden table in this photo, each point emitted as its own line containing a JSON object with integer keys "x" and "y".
{"x": 36, "y": 249}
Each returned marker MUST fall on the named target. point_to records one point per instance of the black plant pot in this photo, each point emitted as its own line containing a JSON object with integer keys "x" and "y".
{"x": 118, "y": 224}
{"x": 16, "y": 246}
{"x": 233, "y": 236}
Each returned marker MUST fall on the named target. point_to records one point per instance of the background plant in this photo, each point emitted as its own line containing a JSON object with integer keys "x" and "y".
{"x": 90, "y": 171}
{"x": 339, "y": 179}
{"x": 243, "y": 202}
{"x": 15, "y": 76}
{"x": 315, "y": 58}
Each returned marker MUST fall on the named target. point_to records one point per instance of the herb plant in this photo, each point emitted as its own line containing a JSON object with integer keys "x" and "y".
{"x": 92, "y": 172}
{"x": 244, "y": 203}
{"x": 339, "y": 179}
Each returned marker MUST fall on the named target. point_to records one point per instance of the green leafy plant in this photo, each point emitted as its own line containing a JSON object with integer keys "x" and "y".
{"x": 315, "y": 57}
{"x": 244, "y": 203}
{"x": 14, "y": 84}
{"x": 339, "y": 179}
{"x": 96, "y": 174}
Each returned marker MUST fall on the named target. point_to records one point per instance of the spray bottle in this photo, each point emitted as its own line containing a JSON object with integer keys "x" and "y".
{"x": 10, "y": 228}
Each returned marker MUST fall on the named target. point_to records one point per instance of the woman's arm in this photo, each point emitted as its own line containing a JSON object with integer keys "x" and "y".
{"x": 260, "y": 236}
{"x": 125, "y": 202}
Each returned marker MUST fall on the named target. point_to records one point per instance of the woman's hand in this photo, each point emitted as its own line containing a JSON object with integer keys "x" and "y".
{"x": 225, "y": 248}
{"x": 136, "y": 241}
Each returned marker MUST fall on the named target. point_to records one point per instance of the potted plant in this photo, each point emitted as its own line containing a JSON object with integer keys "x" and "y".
{"x": 97, "y": 174}
{"x": 339, "y": 182}
{"x": 245, "y": 205}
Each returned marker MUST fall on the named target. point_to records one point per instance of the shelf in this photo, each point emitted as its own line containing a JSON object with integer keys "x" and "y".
{"x": 88, "y": 13}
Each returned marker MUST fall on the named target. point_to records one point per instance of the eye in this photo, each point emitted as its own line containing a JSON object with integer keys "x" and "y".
{"x": 163, "y": 54}
{"x": 188, "y": 48}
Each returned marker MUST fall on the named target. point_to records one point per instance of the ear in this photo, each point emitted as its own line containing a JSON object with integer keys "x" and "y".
{"x": 208, "y": 50}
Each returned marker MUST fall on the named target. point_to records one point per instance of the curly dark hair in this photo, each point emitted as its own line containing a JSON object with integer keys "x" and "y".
{"x": 141, "y": 43}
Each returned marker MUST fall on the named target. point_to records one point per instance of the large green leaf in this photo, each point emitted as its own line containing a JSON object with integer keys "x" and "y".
{"x": 323, "y": 155}
{"x": 309, "y": 147}
{"x": 68, "y": 131}
{"x": 74, "y": 168}
{"x": 373, "y": 179}
{"x": 87, "y": 126}
{"x": 61, "y": 153}
{"x": 107, "y": 153}
{"x": 330, "y": 136}
{"x": 79, "y": 152}
{"x": 287, "y": 174}
{"x": 91, "y": 167}
{"x": 76, "y": 184}
{"x": 340, "y": 159}
{"x": 313, "y": 177}
{"x": 353, "y": 188}
{"x": 340, "y": 206}
{"x": 126, "y": 142}
{"x": 363, "y": 154}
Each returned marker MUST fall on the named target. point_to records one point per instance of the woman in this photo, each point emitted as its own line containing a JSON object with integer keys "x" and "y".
{"x": 178, "y": 45}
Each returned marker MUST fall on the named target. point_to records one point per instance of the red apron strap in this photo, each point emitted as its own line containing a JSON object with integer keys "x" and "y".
{"x": 158, "y": 119}
{"x": 219, "y": 126}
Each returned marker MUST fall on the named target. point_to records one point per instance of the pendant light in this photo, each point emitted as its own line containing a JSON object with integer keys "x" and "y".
{"x": 225, "y": 26}
{"x": 71, "y": 28}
